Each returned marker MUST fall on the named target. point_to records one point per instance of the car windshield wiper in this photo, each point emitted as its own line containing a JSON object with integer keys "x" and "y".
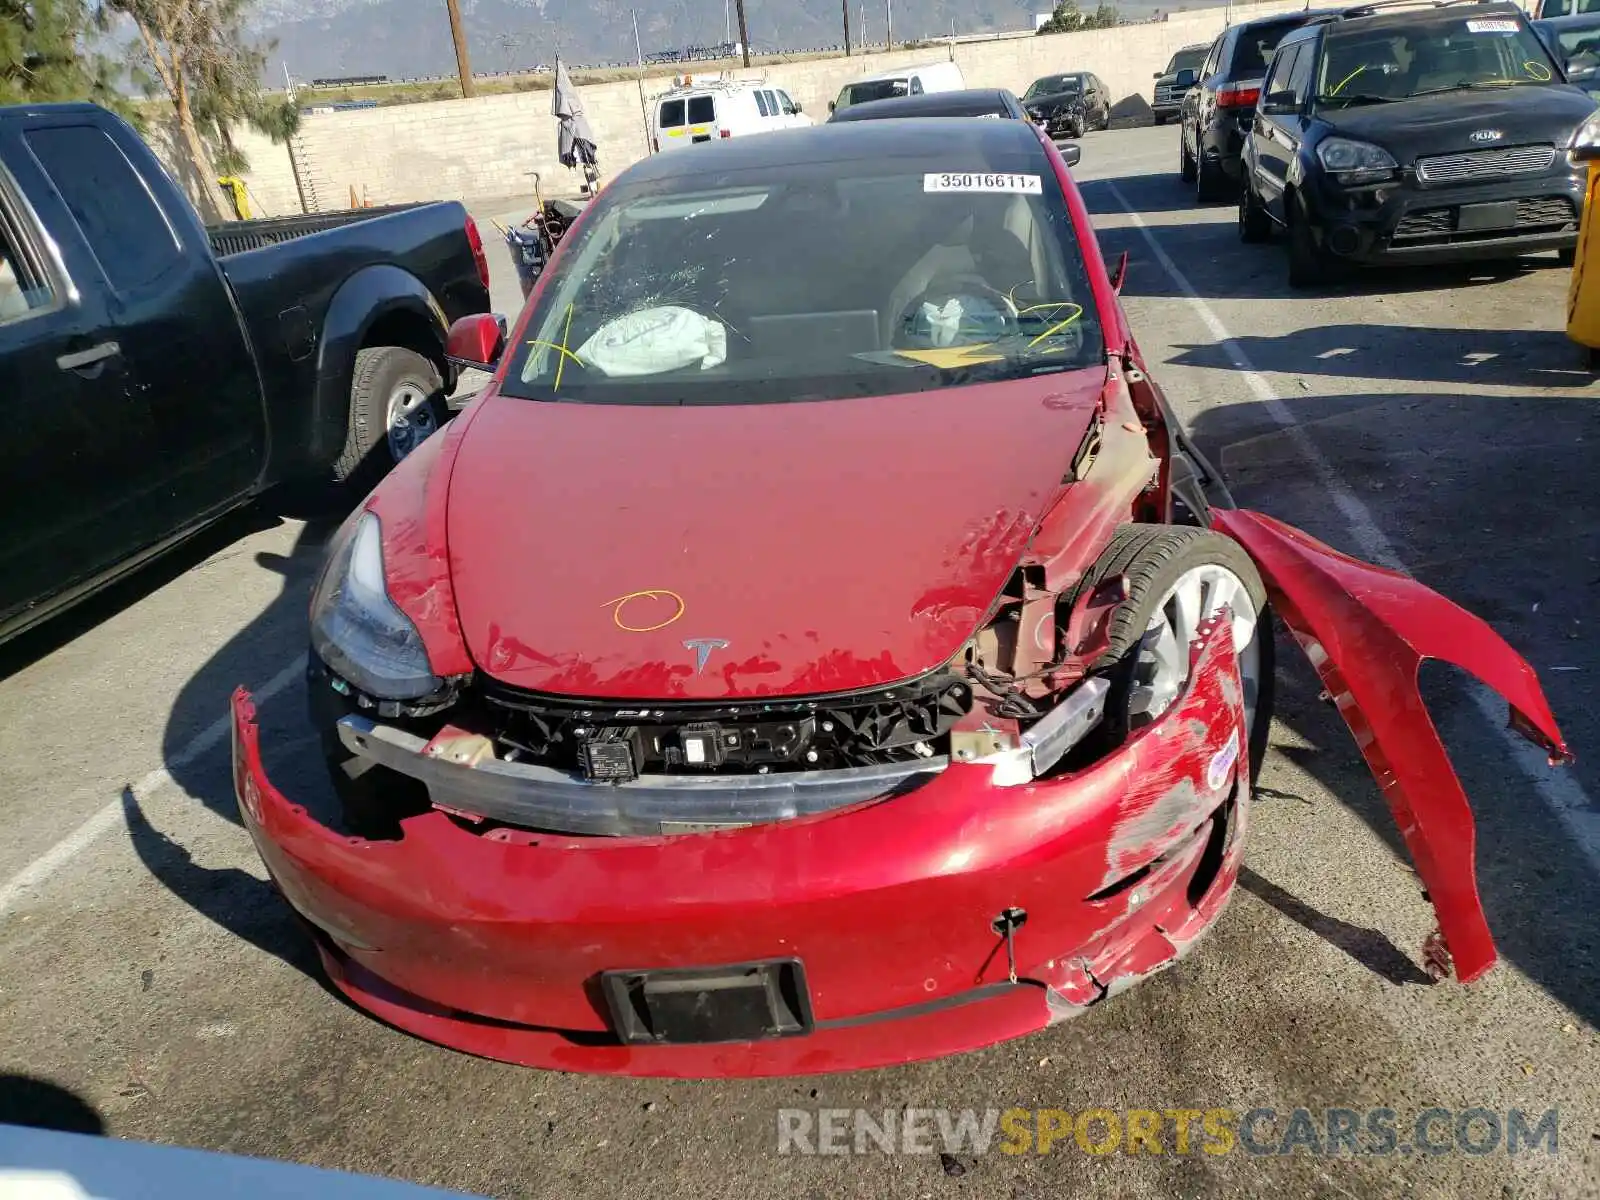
{"x": 1355, "y": 98}
{"x": 1466, "y": 86}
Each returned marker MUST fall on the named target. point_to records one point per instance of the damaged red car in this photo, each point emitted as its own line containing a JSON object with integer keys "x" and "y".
{"x": 820, "y": 647}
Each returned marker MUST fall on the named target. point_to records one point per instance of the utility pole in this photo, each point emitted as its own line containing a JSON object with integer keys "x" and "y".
{"x": 744, "y": 32}
{"x": 644, "y": 111}
{"x": 888, "y": 25}
{"x": 459, "y": 36}
{"x": 847, "y": 28}
{"x": 727, "y": 20}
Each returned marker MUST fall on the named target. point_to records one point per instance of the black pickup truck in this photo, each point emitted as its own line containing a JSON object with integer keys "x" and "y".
{"x": 158, "y": 373}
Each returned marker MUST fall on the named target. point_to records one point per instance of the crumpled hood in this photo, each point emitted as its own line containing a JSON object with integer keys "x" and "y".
{"x": 1444, "y": 124}
{"x": 722, "y": 551}
{"x": 1056, "y": 101}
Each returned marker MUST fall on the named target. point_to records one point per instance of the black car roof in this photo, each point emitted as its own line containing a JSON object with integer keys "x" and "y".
{"x": 1303, "y": 17}
{"x": 1392, "y": 14}
{"x": 970, "y": 102}
{"x": 958, "y": 139}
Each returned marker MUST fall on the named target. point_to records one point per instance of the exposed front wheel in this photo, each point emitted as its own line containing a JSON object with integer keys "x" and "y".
{"x": 1176, "y": 578}
{"x": 1160, "y": 119}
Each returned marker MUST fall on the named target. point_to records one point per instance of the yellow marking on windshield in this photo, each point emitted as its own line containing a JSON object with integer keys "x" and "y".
{"x": 1538, "y": 71}
{"x": 561, "y": 363}
{"x": 1077, "y": 311}
{"x": 1339, "y": 87}
{"x": 559, "y": 349}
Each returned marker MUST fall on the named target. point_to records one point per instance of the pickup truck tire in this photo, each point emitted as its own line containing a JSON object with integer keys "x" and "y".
{"x": 396, "y": 401}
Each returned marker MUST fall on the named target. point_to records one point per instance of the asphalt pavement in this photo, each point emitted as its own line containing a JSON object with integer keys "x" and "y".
{"x": 1437, "y": 420}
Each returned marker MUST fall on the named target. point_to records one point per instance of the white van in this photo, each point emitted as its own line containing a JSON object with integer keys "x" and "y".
{"x": 700, "y": 112}
{"x": 904, "y": 81}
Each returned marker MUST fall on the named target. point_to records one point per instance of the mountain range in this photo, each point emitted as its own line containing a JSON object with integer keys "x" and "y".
{"x": 409, "y": 38}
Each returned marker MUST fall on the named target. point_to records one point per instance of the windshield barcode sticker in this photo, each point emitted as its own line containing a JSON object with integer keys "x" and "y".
{"x": 1022, "y": 185}
{"x": 1485, "y": 26}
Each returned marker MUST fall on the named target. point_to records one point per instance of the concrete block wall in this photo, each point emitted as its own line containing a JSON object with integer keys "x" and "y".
{"x": 486, "y": 147}
{"x": 270, "y": 179}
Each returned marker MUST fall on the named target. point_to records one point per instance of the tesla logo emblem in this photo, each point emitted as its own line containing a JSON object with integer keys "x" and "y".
{"x": 702, "y": 648}
{"x": 1485, "y": 135}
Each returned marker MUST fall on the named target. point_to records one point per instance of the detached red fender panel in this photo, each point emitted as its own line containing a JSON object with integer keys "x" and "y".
{"x": 1366, "y": 630}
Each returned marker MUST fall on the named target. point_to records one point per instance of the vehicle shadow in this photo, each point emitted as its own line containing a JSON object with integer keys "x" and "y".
{"x": 1470, "y": 357}
{"x": 1504, "y": 527}
{"x": 267, "y": 657}
{"x": 40, "y": 1104}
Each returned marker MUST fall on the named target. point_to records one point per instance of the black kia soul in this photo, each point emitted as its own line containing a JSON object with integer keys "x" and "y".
{"x": 1401, "y": 132}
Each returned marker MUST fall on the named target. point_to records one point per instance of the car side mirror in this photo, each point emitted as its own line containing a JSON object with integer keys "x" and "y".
{"x": 1119, "y": 273}
{"x": 1157, "y": 75}
{"x": 1185, "y": 78}
{"x": 833, "y": 106}
{"x": 1071, "y": 153}
{"x": 1280, "y": 102}
{"x": 477, "y": 341}
{"x": 798, "y": 107}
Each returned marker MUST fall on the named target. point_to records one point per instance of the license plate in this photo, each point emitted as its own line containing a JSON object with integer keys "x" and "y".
{"x": 1473, "y": 218}
{"x": 746, "y": 1002}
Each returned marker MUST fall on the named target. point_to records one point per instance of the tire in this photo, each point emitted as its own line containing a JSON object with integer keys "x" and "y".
{"x": 383, "y": 374}
{"x": 1254, "y": 224}
{"x": 1153, "y": 558}
{"x": 1309, "y": 265}
{"x": 1566, "y": 258}
{"x": 1159, "y": 119}
{"x": 1185, "y": 162}
{"x": 1209, "y": 180}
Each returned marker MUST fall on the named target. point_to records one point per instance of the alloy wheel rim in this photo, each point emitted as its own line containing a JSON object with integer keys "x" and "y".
{"x": 411, "y": 419}
{"x": 1161, "y": 667}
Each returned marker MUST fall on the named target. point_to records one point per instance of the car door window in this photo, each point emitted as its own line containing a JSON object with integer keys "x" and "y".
{"x": 1283, "y": 65}
{"x": 761, "y": 104}
{"x": 111, "y": 202}
{"x": 671, "y": 114}
{"x": 1212, "y": 58}
{"x": 22, "y": 291}
{"x": 1300, "y": 75}
{"x": 702, "y": 110}
{"x": 789, "y": 109}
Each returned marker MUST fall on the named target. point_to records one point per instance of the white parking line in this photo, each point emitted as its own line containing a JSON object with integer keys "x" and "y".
{"x": 1559, "y": 789}
{"x": 75, "y": 843}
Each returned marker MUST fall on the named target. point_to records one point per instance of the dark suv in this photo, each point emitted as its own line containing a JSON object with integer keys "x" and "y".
{"x": 1400, "y": 133}
{"x": 1216, "y": 113}
{"x": 1173, "y": 84}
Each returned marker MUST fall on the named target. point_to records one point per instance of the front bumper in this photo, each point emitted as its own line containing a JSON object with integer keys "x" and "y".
{"x": 1411, "y": 222}
{"x": 495, "y": 942}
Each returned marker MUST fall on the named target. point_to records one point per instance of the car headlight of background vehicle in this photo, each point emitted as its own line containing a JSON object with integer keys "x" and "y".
{"x": 1350, "y": 161}
{"x": 358, "y": 631}
{"x": 1584, "y": 145}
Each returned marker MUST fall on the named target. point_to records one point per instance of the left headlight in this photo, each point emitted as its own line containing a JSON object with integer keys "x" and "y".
{"x": 1584, "y": 145}
{"x": 1355, "y": 162}
{"x": 358, "y": 631}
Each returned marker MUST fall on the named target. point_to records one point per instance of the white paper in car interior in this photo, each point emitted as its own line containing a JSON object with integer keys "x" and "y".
{"x": 651, "y": 341}
{"x": 973, "y": 181}
{"x": 1488, "y": 26}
